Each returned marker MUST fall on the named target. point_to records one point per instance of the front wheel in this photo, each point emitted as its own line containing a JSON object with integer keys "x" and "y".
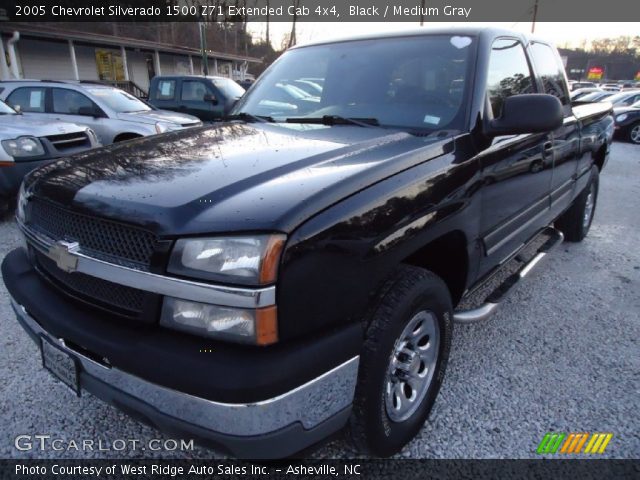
{"x": 403, "y": 361}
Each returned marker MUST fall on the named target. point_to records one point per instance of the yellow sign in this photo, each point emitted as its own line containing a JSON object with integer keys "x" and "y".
{"x": 109, "y": 65}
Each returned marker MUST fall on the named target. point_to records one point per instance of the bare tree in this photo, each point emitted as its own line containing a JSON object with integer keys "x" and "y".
{"x": 292, "y": 36}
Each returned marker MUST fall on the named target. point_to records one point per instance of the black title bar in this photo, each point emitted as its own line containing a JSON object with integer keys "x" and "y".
{"x": 319, "y": 10}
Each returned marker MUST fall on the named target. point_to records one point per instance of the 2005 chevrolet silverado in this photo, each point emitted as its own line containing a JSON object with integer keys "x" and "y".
{"x": 262, "y": 283}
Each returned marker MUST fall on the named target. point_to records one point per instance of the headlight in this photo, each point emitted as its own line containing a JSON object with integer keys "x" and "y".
{"x": 250, "y": 260}
{"x": 621, "y": 118}
{"x": 23, "y": 147}
{"x": 162, "y": 127}
{"x": 258, "y": 327}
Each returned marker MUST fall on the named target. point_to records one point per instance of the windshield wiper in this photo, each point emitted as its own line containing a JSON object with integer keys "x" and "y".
{"x": 250, "y": 117}
{"x": 336, "y": 120}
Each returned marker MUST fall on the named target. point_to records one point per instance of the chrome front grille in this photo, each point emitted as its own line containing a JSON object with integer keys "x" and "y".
{"x": 48, "y": 224}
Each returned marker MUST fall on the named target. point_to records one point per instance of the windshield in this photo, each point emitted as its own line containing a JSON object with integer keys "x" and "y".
{"x": 636, "y": 105}
{"x": 118, "y": 100}
{"x": 416, "y": 82}
{"x": 6, "y": 109}
{"x": 228, "y": 87}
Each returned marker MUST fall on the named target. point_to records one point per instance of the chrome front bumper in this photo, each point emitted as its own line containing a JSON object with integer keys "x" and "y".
{"x": 308, "y": 405}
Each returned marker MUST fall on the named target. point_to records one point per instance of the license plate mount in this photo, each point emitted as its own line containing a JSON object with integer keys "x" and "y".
{"x": 60, "y": 364}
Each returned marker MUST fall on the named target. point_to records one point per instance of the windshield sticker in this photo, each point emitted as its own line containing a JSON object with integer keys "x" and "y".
{"x": 460, "y": 42}
{"x": 431, "y": 120}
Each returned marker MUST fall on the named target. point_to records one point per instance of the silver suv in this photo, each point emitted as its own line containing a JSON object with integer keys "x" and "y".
{"x": 112, "y": 113}
{"x": 26, "y": 143}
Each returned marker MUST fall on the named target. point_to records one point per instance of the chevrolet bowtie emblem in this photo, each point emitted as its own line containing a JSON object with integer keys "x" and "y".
{"x": 62, "y": 253}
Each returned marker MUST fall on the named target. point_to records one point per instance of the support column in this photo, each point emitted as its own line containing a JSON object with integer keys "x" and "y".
{"x": 190, "y": 64}
{"x": 215, "y": 65}
{"x": 13, "y": 58}
{"x": 156, "y": 62}
{"x": 123, "y": 54}
{"x": 4, "y": 68}
{"x": 74, "y": 62}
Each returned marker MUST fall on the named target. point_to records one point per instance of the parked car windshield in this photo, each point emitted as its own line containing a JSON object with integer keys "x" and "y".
{"x": 418, "y": 82}
{"x": 6, "y": 109}
{"x": 118, "y": 100}
{"x": 228, "y": 87}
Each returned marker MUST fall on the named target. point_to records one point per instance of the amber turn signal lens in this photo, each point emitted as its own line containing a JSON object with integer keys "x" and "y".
{"x": 269, "y": 267}
{"x": 266, "y": 325}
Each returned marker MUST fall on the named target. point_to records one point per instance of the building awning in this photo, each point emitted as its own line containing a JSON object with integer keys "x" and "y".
{"x": 52, "y": 33}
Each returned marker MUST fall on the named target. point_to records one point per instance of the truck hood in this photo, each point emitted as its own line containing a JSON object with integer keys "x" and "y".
{"x": 230, "y": 177}
{"x": 154, "y": 116}
{"x": 12, "y": 126}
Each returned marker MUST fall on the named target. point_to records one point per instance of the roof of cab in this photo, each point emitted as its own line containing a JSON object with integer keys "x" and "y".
{"x": 412, "y": 32}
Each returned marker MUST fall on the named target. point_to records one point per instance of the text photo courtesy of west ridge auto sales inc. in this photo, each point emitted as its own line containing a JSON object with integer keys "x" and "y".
{"x": 312, "y": 239}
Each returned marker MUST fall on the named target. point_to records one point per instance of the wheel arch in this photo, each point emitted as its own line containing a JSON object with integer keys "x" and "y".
{"x": 447, "y": 257}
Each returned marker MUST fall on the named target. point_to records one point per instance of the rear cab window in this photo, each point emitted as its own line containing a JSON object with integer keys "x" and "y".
{"x": 28, "y": 99}
{"x": 166, "y": 90}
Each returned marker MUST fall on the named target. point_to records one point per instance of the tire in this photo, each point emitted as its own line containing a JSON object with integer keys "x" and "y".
{"x": 576, "y": 221}
{"x": 633, "y": 134}
{"x": 377, "y": 426}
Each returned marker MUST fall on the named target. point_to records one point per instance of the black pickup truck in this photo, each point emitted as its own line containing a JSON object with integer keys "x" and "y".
{"x": 207, "y": 97}
{"x": 260, "y": 284}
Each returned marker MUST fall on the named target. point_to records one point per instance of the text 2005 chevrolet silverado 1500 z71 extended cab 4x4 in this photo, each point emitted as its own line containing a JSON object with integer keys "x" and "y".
{"x": 318, "y": 252}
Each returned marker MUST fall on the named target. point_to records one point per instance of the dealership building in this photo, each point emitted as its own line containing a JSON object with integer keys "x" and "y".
{"x": 41, "y": 52}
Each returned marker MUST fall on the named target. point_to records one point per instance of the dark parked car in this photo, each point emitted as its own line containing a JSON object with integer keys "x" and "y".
{"x": 319, "y": 258}
{"x": 628, "y": 122}
{"x": 208, "y": 98}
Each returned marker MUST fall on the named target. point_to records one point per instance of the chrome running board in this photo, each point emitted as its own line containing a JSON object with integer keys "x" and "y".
{"x": 491, "y": 301}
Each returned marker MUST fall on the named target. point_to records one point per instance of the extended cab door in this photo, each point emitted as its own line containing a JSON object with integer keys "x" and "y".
{"x": 200, "y": 98}
{"x": 516, "y": 169}
{"x": 566, "y": 139}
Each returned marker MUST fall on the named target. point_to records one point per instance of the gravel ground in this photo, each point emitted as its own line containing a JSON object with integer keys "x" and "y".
{"x": 561, "y": 354}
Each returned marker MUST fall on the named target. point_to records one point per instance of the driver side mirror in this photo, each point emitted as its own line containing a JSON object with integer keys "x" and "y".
{"x": 208, "y": 97}
{"x": 17, "y": 108}
{"x": 527, "y": 113}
